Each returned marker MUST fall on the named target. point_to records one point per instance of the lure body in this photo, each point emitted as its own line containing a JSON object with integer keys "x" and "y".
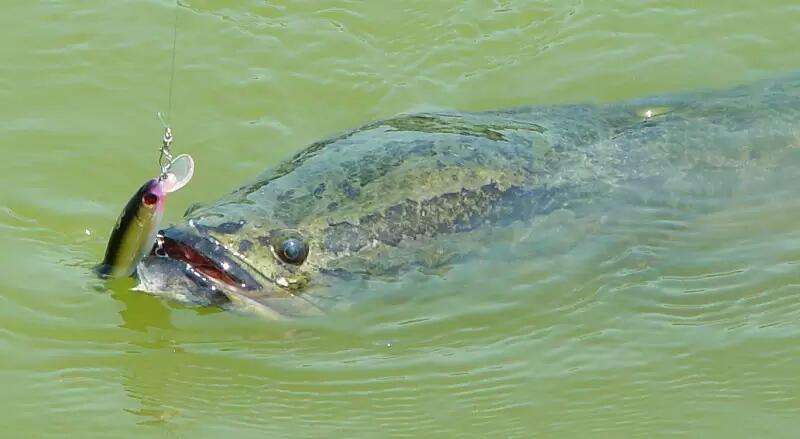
{"x": 134, "y": 234}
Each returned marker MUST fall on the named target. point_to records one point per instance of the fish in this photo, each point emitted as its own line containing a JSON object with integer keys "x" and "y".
{"x": 410, "y": 192}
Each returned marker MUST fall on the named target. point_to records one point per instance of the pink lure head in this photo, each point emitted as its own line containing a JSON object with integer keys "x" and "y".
{"x": 154, "y": 195}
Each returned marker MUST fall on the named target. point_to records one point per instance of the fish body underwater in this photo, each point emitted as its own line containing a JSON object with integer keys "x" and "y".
{"x": 408, "y": 192}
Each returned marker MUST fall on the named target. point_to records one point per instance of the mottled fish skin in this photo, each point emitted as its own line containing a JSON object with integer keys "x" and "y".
{"x": 373, "y": 201}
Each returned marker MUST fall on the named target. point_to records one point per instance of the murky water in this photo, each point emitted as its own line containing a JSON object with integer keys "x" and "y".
{"x": 639, "y": 319}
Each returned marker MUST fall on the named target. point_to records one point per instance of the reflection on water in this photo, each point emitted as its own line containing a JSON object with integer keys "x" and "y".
{"x": 140, "y": 314}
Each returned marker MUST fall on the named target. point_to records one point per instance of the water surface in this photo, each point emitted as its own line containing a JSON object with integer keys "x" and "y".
{"x": 643, "y": 319}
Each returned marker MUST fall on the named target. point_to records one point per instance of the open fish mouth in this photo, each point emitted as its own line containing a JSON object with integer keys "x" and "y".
{"x": 197, "y": 270}
{"x": 205, "y": 259}
{"x": 193, "y": 269}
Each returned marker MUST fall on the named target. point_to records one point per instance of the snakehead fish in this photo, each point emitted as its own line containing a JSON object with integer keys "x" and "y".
{"x": 377, "y": 201}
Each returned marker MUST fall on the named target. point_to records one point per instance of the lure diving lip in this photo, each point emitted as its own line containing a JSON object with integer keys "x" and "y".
{"x": 135, "y": 232}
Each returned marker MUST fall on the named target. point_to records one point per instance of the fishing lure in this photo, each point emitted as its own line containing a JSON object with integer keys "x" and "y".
{"x": 135, "y": 232}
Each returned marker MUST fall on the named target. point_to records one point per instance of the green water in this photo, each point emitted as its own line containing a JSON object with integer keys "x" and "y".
{"x": 638, "y": 322}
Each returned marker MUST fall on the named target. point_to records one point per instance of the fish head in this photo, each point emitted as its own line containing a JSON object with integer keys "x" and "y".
{"x": 238, "y": 262}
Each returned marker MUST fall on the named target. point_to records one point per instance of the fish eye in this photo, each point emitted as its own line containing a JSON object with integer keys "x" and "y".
{"x": 149, "y": 199}
{"x": 292, "y": 251}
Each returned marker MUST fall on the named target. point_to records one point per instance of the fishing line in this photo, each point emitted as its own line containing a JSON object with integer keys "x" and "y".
{"x": 172, "y": 68}
{"x": 165, "y": 157}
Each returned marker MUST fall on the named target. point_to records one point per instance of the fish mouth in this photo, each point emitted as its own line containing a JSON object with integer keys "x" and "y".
{"x": 198, "y": 270}
{"x": 193, "y": 268}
